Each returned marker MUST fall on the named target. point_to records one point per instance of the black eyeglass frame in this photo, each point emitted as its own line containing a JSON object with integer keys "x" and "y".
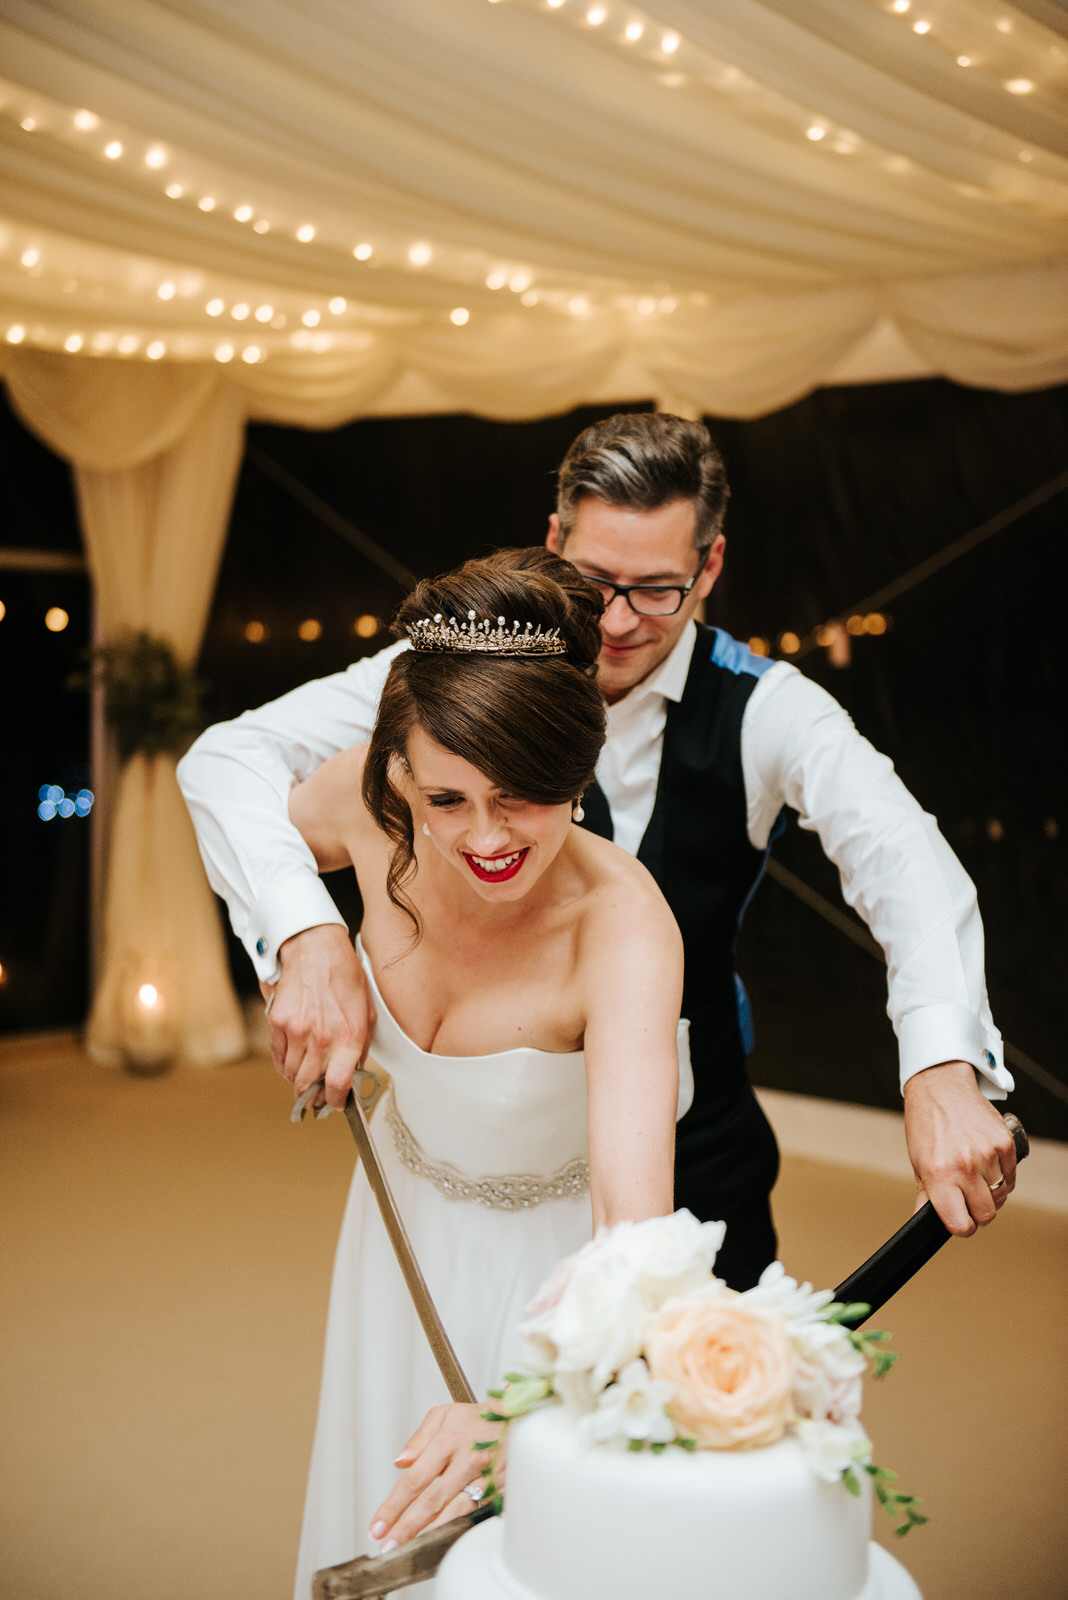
{"x": 627, "y": 589}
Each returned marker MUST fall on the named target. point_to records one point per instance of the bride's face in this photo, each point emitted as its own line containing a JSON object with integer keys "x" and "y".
{"x": 501, "y": 845}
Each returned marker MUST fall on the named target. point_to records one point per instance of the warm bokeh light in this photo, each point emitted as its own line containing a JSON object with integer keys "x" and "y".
{"x": 3, "y": 611}
{"x": 3, "y": 974}
{"x": 789, "y": 643}
{"x": 875, "y": 623}
{"x": 363, "y": 252}
{"x": 758, "y": 646}
{"x": 367, "y": 626}
{"x": 995, "y": 829}
{"x": 255, "y": 632}
{"x": 459, "y": 316}
{"x": 56, "y": 619}
{"x": 825, "y": 633}
{"x": 148, "y": 995}
{"x": 855, "y": 626}
{"x": 310, "y": 630}
{"x": 420, "y": 254}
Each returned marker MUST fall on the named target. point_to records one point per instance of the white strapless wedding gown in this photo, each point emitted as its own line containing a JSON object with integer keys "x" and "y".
{"x": 486, "y": 1157}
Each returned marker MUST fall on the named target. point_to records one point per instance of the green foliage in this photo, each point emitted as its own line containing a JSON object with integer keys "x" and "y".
{"x": 893, "y": 1503}
{"x": 150, "y": 700}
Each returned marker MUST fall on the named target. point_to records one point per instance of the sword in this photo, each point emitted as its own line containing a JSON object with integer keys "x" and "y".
{"x": 369, "y": 1577}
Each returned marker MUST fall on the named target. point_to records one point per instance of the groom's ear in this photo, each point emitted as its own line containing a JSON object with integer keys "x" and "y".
{"x": 552, "y": 538}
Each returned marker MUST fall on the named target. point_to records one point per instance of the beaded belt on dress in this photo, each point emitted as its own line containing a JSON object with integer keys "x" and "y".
{"x": 504, "y": 1191}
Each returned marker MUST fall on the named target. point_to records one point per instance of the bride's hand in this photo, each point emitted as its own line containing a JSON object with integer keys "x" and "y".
{"x": 441, "y": 1460}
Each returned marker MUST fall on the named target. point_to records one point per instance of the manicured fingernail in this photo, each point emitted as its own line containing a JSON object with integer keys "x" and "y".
{"x": 390, "y": 1544}
{"x": 378, "y": 1528}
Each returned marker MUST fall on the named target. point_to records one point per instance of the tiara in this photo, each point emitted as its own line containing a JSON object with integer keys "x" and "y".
{"x": 482, "y": 638}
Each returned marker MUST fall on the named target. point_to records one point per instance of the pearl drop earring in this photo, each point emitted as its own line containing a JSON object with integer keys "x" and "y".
{"x": 577, "y": 814}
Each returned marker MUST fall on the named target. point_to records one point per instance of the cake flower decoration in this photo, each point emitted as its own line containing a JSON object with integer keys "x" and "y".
{"x": 640, "y": 1340}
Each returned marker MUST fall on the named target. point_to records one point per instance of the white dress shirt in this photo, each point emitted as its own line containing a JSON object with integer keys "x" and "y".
{"x": 799, "y": 748}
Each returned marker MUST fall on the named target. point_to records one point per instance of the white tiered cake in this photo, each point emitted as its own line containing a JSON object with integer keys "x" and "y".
{"x": 585, "y": 1522}
{"x": 707, "y": 1446}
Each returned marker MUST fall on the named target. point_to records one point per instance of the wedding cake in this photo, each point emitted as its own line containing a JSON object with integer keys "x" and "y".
{"x": 676, "y": 1438}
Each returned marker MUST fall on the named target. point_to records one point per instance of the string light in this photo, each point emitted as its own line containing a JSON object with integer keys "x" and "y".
{"x": 215, "y": 308}
{"x": 166, "y": 291}
{"x": 306, "y": 233}
{"x": 16, "y": 333}
{"x": 815, "y": 133}
{"x": 758, "y": 646}
{"x": 310, "y": 630}
{"x": 646, "y": 306}
{"x": 128, "y": 344}
{"x": 1019, "y": 86}
{"x": 156, "y": 350}
{"x": 173, "y": 191}
{"x": 261, "y": 225}
{"x": 578, "y": 305}
{"x": 921, "y": 27}
{"x": 264, "y": 313}
{"x": 420, "y": 254}
{"x": 73, "y": 342}
{"x": 29, "y": 258}
{"x": 789, "y": 643}
{"x": 460, "y": 316}
{"x": 240, "y": 311}
{"x": 255, "y": 632}
{"x": 156, "y": 157}
{"x": 251, "y": 354}
{"x": 519, "y": 281}
{"x": 855, "y": 626}
{"x": 310, "y": 319}
{"x": 86, "y": 120}
{"x": 56, "y": 619}
{"x": 113, "y": 150}
{"x": 496, "y": 280}
{"x": 363, "y": 252}
{"x": 243, "y": 214}
{"x": 224, "y": 352}
{"x": 670, "y": 43}
{"x": 530, "y": 298}
{"x": 595, "y": 16}
{"x": 367, "y": 626}
{"x": 964, "y": 61}
{"x": 148, "y": 996}
{"x": 206, "y": 202}
{"x": 633, "y": 32}
{"x": 338, "y": 304}
{"x": 3, "y": 611}
{"x": 28, "y": 124}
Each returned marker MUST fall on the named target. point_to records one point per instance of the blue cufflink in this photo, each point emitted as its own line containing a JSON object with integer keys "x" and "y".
{"x": 989, "y": 1059}
{"x": 261, "y": 947}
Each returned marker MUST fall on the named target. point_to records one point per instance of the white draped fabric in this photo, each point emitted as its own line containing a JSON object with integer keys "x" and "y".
{"x": 154, "y": 533}
{"x": 745, "y": 201}
{"x": 306, "y": 211}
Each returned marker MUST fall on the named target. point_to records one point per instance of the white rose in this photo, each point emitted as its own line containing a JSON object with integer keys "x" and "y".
{"x": 671, "y": 1255}
{"x": 830, "y": 1449}
{"x": 537, "y": 1330}
{"x": 599, "y": 1323}
{"x": 798, "y": 1303}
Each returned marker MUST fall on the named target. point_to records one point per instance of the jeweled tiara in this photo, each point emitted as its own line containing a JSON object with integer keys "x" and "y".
{"x": 483, "y": 638}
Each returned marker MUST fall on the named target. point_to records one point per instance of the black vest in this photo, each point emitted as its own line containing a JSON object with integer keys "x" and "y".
{"x": 697, "y": 848}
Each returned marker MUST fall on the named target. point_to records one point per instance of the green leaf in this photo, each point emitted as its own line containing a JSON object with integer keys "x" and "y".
{"x": 658, "y": 1448}
{"x": 851, "y": 1481}
{"x": 636, "y": 1444}
{"x": 686, "y": 1444}
{"x": 492, "y": 1416}
{"x": 484, "y": 1444}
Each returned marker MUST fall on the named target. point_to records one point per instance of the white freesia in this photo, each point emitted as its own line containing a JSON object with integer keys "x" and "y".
{"x": 632, "y": 1408}
{"x": 830, "y": 1450}
{"x": 798, "y": 1304}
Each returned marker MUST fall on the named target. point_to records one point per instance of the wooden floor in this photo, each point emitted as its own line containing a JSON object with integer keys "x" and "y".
{"x": 166, "y": 1252}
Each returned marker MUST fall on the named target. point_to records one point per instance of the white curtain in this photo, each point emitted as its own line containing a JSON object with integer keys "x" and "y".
{"x": 156, "y": 454}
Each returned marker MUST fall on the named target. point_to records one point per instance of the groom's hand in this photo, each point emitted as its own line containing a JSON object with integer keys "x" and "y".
{"x": 959, "y": 1147}
{"x": 321, "y": 1016}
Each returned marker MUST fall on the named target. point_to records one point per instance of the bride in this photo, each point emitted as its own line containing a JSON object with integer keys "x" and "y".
{"x": 527, "y": 979}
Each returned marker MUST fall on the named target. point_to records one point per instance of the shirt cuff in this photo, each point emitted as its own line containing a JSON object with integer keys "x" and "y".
{"x": 950, "y": 1032}
{"x": 284, "y": 909}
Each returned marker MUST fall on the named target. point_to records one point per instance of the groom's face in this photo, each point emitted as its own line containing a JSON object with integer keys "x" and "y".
{"x": 637, "y": 547}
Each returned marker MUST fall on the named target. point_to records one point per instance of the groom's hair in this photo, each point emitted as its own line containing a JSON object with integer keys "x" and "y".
{"x": 533, "y": 724}
{"x": 641, "y": 461}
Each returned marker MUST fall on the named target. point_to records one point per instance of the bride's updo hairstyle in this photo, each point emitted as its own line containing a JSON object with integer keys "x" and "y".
{"x": 532, "y": 724}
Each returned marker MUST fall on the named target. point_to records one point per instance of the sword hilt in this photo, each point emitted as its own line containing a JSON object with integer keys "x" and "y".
{"x": 911, "y": 1247}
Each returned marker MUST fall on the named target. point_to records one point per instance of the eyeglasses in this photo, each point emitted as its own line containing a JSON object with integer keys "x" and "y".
{"x": 647, "y": 599}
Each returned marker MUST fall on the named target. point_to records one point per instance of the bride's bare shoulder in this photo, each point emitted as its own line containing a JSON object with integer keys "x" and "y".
{"x": 620, "y": 887}
{"x": 328, "y": 810}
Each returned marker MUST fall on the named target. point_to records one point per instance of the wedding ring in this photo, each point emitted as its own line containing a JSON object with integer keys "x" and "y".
{"x": 993, "y": 1187}
{"x": 476, "y": 1490}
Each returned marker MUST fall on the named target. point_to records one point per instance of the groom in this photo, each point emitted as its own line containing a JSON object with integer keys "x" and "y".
{"x": 707, "y": 744}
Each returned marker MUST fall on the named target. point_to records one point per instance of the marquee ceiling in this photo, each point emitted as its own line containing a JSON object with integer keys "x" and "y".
{"x": 513, "y": 205}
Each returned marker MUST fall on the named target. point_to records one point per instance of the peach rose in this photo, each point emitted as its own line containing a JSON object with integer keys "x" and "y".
{"x": 732, "y": 1365}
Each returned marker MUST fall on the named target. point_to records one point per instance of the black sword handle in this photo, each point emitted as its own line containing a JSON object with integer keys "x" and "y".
{"x": 912, "y": 1246}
